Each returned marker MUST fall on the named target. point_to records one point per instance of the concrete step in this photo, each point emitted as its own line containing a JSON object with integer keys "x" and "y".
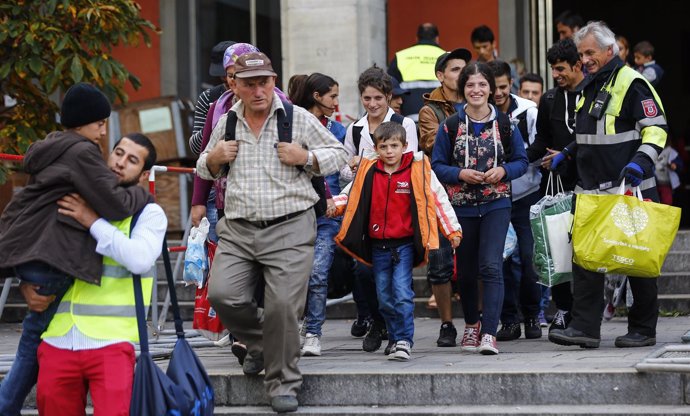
{"x": 682, "y": 241}
{"x": 677, "y": 262}
{"x": 431, "y": 410}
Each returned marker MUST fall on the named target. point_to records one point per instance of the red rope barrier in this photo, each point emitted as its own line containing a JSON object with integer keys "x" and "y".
{"x": 6, "y": 156}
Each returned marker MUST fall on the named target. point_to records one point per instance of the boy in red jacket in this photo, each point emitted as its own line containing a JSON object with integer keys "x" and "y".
{"x": 392, "y": 213}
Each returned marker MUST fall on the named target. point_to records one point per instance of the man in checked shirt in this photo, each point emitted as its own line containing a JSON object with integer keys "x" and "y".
{"x": 269, "y": 226}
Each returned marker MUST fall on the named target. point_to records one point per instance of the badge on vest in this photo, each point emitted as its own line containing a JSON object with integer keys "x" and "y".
{"x": 649, "y": 108}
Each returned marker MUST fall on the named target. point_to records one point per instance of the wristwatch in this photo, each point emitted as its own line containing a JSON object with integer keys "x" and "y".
{"x": 310, "y": 160}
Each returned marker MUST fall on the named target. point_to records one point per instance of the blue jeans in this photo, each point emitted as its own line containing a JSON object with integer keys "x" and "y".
{"x": 364, "y": 294}
{"x": 324, "y": 247}
{"x": 24, "y": 372}
{"x": 393, "y": 276}
{"x": 480, "y": 256}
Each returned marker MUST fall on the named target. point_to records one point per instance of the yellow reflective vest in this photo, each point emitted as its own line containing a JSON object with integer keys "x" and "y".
{"x": 416, "y": 64}
{"x": 105, "y": 312}
{"x": 607, "y": 147}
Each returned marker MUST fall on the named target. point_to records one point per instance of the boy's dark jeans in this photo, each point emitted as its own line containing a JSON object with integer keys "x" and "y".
{"x": 22, "y": 376}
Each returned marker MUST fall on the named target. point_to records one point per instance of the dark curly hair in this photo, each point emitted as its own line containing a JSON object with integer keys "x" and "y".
{"x": 563, "y": 50}
{"x": 375, "y": 77}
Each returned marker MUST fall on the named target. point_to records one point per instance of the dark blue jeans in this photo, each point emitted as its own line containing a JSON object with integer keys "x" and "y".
{"x": 324, "y": 249}
{"x": 24, "y": 372}
{"x": 480, "y": 257}
{"x": 522, "y": 292}
{"x": 393, "y": 276}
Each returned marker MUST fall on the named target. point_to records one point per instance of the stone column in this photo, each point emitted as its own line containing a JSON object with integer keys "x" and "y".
{"x": 339, "y": 38}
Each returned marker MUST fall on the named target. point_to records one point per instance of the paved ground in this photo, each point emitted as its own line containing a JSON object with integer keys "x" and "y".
{"x": 342, "y": 353}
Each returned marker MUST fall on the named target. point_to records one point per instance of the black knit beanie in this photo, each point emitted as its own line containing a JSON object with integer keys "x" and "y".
{"x": 83, "y": 104}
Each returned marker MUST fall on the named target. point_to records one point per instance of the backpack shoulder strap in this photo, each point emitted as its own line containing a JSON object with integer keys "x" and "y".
{"x": 397, "y": 118}
{"x": 356, "y": 136}
{"x": 230, "y": 125}
{"x": 438, "y": 111}
{"x": 452, "y": 122}
{"x": 285, "y": 123}
{"x": 505, "y": 130}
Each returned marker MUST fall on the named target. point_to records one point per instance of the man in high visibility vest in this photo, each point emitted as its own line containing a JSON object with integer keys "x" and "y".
{"x": 89, "y": 341}
{"x": 620, "y": 129}
{"x": 414, "y": 67}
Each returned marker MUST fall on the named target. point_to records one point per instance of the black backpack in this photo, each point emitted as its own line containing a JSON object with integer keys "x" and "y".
{"x": 504, "y": 129}
{"x": 357, "y": 130}
{"x": 284, "y": 135}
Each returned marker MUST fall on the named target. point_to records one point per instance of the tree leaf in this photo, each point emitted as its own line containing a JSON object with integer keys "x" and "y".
{"x": 36, "y": 65}
{"x": 77, "y": 69}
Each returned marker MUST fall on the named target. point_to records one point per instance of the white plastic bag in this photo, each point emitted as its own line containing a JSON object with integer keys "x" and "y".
{"x": 195, "y": 258}
{"x": 560, "y": 246}
{"x": 511, "y": 242}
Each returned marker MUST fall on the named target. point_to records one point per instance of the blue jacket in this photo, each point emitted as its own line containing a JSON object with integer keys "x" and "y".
{"x": 476, "y": 200}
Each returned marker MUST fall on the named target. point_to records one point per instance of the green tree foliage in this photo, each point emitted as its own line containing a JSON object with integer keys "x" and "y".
{"x": 49, "y": 45}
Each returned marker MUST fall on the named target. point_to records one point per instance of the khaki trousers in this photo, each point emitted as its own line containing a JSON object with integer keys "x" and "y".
{"x": 283, "y": 254}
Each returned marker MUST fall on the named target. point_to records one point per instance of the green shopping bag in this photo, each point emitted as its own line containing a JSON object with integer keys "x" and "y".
{"x": 623, "y": 234}
{"x": 551, "y": 250}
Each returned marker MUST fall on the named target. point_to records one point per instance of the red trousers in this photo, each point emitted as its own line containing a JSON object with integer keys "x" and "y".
{"x": 65, "y": 376}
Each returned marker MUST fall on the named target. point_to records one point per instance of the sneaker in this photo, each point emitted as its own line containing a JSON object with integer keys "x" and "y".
{"x": 360, "y": 327}
{"x": 389, "y": 348}
{"x": 488, "y": 345}
{"x": 542, "y": 319}
{"x": 509, "y": 332}
{"x": 447, "y": 335}
{"x": 312, "y": 345}
{"x": 403, "y": 351}
{"x": 470, "y": 338}
{"x": 374, "y": 338}
{"x": 532, "y": 329}
{"x": 561, "y": 320}
{"x": 609, "y": 311}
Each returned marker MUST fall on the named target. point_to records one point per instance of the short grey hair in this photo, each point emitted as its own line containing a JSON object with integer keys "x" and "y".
{"x": 602, "y": 34}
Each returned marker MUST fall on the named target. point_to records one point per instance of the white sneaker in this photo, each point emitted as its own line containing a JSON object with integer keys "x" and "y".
{"x": 312, "y": 345}
{"x": 403, "y": 351}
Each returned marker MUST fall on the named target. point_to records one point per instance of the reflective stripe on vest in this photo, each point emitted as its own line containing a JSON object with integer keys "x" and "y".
{"x": 417, "y": 63}
{"x": 105, "y": 312}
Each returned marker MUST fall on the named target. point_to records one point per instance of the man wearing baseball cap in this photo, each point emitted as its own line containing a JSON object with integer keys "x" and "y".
{"x": 439, "y": 104}
{"x": 269, "y": 226}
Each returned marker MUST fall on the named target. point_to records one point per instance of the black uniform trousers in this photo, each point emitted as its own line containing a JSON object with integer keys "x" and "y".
{"x": 588, "y": 303}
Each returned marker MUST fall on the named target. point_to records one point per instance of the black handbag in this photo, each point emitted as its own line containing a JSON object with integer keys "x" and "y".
{"x": 186, "y": 388}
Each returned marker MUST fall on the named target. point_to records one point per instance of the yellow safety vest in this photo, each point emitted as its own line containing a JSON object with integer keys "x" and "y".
{"x": 416, "y": 64}
{"x": 627, "y": 141}
{"x": 105, "y": 312}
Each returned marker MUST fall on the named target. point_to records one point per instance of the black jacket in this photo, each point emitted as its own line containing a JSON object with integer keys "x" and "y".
{"x": 553, "y": 133}
{"x": 31, "y": 228}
